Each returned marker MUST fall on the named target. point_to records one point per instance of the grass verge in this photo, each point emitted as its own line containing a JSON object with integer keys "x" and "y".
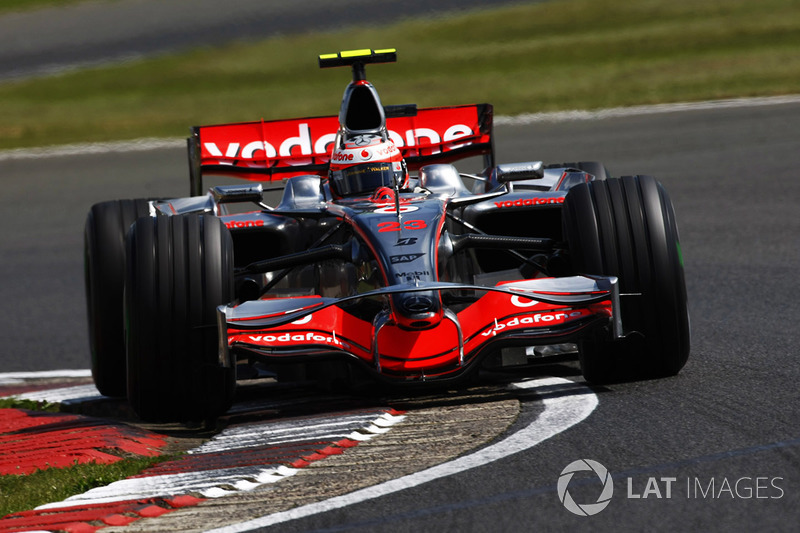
{"x": 24, "y": 492}
{"x": 29, "y": 5}
{"x": 565, "y": 54}
{"x": 14, "y": 403}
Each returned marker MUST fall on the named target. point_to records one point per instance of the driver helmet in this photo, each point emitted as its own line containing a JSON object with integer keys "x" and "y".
{"x": 365, "y": 163}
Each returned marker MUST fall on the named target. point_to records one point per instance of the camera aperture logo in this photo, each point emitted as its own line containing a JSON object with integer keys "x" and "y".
{"x": 585, "y": 509}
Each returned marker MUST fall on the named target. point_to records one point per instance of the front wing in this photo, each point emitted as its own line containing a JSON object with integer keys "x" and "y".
{"x": 526, "y": 312}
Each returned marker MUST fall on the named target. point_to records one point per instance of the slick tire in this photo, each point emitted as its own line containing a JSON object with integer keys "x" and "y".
{"x": 179, "y": 270}
{"x": 595, "y": 168}
{"x": 626, "y": 227}
{"x": 104, "y": 267}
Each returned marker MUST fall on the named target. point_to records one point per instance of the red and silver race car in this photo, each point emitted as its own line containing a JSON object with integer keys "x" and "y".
{"x": 379, "y": 259}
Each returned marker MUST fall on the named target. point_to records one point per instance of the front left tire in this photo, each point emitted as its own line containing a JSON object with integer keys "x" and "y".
{"x": 179, "y": 270}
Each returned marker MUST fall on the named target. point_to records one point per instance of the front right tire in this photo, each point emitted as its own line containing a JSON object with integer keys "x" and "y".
{"x": 104, "y": 267}
{"x": 625, "y": 227}
{"x": 595, "y": 168}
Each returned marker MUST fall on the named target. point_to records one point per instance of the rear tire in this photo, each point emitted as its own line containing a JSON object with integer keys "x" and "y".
{"x": 595, "y": 168}
{"x": 104, "y": 267}
{"x": 626, "y": 227}
{"x": 179, "y": 270}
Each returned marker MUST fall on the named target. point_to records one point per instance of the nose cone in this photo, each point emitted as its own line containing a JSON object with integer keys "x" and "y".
{"x": 417, "y": 310}
{"x": 416, "y": 303}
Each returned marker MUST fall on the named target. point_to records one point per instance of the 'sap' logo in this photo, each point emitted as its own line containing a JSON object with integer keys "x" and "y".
{"x": 407, "y": 258}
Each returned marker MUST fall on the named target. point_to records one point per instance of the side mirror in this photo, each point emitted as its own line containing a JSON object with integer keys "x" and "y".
{"x": 533, "y": 170}
{"x": 228, "y": 194}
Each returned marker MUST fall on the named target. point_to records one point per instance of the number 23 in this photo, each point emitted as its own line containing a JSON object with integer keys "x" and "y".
{"x": 397, "y": 226}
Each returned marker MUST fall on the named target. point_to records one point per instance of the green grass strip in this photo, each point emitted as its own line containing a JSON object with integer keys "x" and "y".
{"x": 564, "y": 54}
{"x": 8, "y": 6}
{"x": 31, "y": 405}
{"x": 25, "y": 492}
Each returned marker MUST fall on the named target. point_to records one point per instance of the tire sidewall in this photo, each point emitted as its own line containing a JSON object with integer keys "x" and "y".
{"x": 625, "y": 227}
{"x": 105, "y": 229}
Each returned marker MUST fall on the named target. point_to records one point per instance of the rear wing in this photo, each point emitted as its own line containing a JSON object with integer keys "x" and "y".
{"x": 273, "y": 150}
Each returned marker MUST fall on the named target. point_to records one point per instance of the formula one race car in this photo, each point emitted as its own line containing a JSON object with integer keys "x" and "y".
{"x": 379, "y": 259}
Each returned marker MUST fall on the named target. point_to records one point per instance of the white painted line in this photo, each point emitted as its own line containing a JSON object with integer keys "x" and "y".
{"x": 360, "y": 437}
{"x": 285, "y": 432}
{"x": 372, "y": 428}
{"x": 69, "y": 150}
{"x": 255, "y": 442}
{"x": 219, "y": 482}
{"x": 565, "y": 116}
{"x": 561, "y": 411}
{"x": 16, "y": 378}
{"x": 65, "y": 394}
{"x": 139, "y": 145}
{"x": 386, "y": 420}
{"x": 209, "y": 483}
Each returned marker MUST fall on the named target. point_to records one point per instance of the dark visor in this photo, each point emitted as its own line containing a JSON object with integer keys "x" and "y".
{"x": 361, "y": 179}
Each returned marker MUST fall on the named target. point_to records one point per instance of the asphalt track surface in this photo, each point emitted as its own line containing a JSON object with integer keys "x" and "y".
{"x": 730, "y": 416}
